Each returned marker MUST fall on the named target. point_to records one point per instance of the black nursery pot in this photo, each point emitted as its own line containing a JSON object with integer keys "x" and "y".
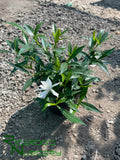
{"x": 56, "y": 111}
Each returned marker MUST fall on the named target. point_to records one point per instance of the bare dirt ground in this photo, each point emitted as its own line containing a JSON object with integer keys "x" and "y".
{"x": 21, "y": 117}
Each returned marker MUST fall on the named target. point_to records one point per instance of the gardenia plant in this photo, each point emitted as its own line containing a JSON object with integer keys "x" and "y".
{"x": 62, "y": 74}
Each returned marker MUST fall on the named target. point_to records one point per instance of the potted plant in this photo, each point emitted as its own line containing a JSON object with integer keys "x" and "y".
{"x": 62, "y": 74}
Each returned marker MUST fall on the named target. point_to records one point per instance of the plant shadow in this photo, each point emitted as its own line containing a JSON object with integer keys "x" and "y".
{"x": 106, "y": 150}
{"x": 111, "y": 86}
{"x": 115, "y": 4}
{"x": 30, "y": 124}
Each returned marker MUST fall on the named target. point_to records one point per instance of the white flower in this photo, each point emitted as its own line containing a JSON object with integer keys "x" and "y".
{"x": 46, "y": 87}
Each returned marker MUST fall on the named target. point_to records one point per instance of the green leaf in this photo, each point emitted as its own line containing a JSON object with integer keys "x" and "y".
{"x": 84, "y": 37}
{"x": 91, "y": 80}
{"x": 29, "y": 29}
{"x": 70, "y": 116}
{"x": 10, "y": 44}
{"x": 41, "y": 36}
{"x": 90, "y": 107}
{"x": 22, "y": 43}
{"x": 48, "y": 105}
{"x": 37, "y": 58}
{"x": 63, "y": 78}
{"x": 57, "y": 35}
{"x": 83, "y": 92}
{"x": 64, "y": 32}
{"x": 24, "y": 49}
{"x": 25, "y": 37}
{"x": 16, "y": 45}
{"x": 44, "y": 44}
{"x": 69, "y": 48}
{"x": 68, "y": 76}
{"x": 74, "y": 54}
{"x": 94, "y": 38}
{"x": 102, "y": 66}
{"x": 106, "y": 53}
{"x": 16, "y": 25}
{"x": 61, "y": 100}
{"x": 72, "y": 105}
{"x": 83, "y": 71}
{"x": 19, "y": 67}
{"x": 5, "y": 51}
{"x": 13, "y": 70}
{"x": 28, "y": 83}
{"x": 104, "y": 36}
{"x": 63, "y": 67}
{"x": 54, "y": 29}
{"x": 38, "y": 27}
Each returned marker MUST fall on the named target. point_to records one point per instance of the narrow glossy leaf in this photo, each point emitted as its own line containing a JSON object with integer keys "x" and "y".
{"x": 98, "y": 41}
{"x": 22, "y": 43}
{"x": 54, "y": 29}
{"x": 72, "y": 105}
{"x": 90, "y": 107}
{"x": 44, "y": 44}
{"x": 63, "y": 67}
{"x": 48, "y": 105}
{"x": 16, "y": 25}
{"x": 74, "y": 49}
{"x": 17, "y": 58}
{"x": 41, "y": 36}
{"x": 64, "y": 32}
{"x": 61, "y": 100}
{"x": 71, "y": 117}
{"x": 102, "y": 66}
{"x": 83, "y": 92}
{"x": 90, "y": 42}
{"x": 28, "y": 83}
{"x": 68, "y": 77}
{"x": 37, "y": 58}
{"x": 25, "y": 37}
{"x": 91, "y": 80}
{"x": 80, "y": 72}
{"x": 10, "y": 44}
{"x": 99, "y": 36}
{"x": 57, "y": 35}
{"x": 38, "y": 27}
{"x": 24, "y": 49}
{"x": 63, "y": 77}
{"x": 77, "y": 51}
{"x": 69, "y": 48}
{"x": 104, "y": 36}
{"x": 5, "y": 51}
{"x": 13, "y": 70}
{"x": 59, "y": 50}
{"x": 94, "y": 35}
{"x": 106, "y": 39}
{"x": 16, "y": 45}
{"x": 106, "y": 53}
{"x": 29, "y": 29}
{"x": 18, "y": 67}
{"x": 57, "y": 63}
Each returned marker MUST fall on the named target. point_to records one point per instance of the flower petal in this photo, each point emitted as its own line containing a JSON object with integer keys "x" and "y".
{"x": 55, "y": 84}
{"x": 43, "y": 84}
{"x": 54, "y": 93}
{"x": 43, "y": 87}
{"x": 49, "y": 83}
{"x": 43, "y": 95}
